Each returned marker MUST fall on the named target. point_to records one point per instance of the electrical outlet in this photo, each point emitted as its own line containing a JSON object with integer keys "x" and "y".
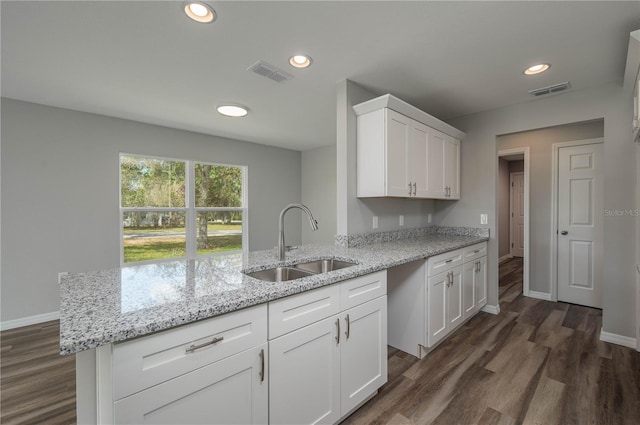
{"x": 375, "y": 222}
{"x": 484, "y": 219}
{"x": 401, "y": 220}
{"x": 429, "y": 218}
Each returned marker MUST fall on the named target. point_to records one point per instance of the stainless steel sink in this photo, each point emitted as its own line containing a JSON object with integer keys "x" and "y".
{"x": 323, "y": 266}
{"x": 280, "y": 274}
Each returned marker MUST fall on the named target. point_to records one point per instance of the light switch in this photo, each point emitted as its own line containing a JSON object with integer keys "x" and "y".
{"x": 484, "y": 219}
{"x": 401, "y": 220}
{"x": 375, "y": 222}
{"x": 429, "y": 218}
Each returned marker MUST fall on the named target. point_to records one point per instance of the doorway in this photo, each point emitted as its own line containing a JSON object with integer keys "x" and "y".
{"x": 513, "y": 223}
{"x": 578, "y": 224}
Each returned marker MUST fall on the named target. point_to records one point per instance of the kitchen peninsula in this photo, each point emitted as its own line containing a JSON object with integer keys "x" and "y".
{"x": 110, "y": 317}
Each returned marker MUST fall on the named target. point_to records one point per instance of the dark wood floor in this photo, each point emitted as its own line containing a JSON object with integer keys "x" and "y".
{"x": 537, "y": 362}
{"x": 37, "y": 385}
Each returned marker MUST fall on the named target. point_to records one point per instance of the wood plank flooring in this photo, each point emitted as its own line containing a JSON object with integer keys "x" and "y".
{"x": 537, "y": 362}
{"x": 37, "y": 384}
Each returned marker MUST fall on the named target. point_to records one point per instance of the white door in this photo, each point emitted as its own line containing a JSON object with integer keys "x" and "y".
{"x": 437, "y": 301}
{"x": 481, "y": 283}
{"x": 437, "y": 160}
{"x": 452, "y": 167}
{"x": 517, "y": 214}
{"x": 454, "y": 299}
{"x": 230, "y": 391}
{"x": 420, "y": 159}
{"x": 398, "y": 145}
{"x": 304, "y": 375}
{"x": 469, "y": 271}
{"x": 363, "y": 351}
{"x": 580, "y": 224}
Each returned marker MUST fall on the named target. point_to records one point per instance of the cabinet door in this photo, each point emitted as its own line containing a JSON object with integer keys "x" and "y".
{"x": 452, "y": 166}
{"x": 304, "y": 375}
{"x": 436, "y": 164}
{"x": 469, "y": 288}
{"x": 398, "y": 129}
{"x": 363, "y": 351}
{"x": 230, "y": 391}
{"x": 481, "y": 283}
{"x": 454, "y": 299}
{"x": 437, "y": 302}
{"x": 419, "y": 158}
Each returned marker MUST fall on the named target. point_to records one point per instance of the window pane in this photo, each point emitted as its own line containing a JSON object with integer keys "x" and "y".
{"x": 147, "y": 182}
{"x": 219, "y": 231}
{"x": 218, "y": 186}
{"x": 153, "y": 235}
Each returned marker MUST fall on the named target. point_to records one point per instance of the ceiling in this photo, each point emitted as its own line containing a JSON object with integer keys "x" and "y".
{"x": 146, "y": 61}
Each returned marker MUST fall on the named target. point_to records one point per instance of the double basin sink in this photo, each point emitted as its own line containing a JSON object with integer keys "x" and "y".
{"x": 297, "y": 271}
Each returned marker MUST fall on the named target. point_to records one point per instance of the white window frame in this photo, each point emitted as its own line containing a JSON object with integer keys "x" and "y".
{"x": 190, "y": 210}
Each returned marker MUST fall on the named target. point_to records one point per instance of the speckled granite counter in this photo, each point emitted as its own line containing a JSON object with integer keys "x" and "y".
{"x": 115, "y": 305}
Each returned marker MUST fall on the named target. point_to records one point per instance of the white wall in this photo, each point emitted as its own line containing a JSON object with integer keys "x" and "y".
{"x": 60, "y": 193}
{"x": 540, "y": 150}
{"x": 479, "y": 182}
{"x": 319, "y": 194}
{"x": 356, "y": 215}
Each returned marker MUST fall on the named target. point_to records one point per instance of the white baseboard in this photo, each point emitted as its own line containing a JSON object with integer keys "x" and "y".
{"x": 625, "y": 341}
{"x": 504, "y": 258}
{"x": 493, "y": 309}
{"x": 539, "y": 295}
{"x": 31, "y": 320}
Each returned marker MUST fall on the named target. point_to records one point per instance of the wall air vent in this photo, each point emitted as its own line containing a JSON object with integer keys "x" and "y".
{"x": 550, "y": 89}
{"x": 269, "y": 71}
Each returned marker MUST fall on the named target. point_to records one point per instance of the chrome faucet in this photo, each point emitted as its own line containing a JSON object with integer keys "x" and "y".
{"x": 314, "y": 225}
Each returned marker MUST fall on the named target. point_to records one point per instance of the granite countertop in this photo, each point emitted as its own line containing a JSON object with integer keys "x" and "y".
{"x": 108, "y": 306}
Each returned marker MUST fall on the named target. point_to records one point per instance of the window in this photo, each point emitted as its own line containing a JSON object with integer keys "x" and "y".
{"x": 180, "y": 209}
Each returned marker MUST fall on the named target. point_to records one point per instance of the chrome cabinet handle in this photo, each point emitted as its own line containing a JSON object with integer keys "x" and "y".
{"x": 564, "y": 233}
{"x": 338, "y": 333}
{"x": 414, "y": 188}
{"x": 477, "y": 266}
{"x": 193, "y": 348}
{"x": 348, "y": 331}
{"x": 262, "y": 365}
{"x": 409, "y": 188}
{"x": 449, "y": 260}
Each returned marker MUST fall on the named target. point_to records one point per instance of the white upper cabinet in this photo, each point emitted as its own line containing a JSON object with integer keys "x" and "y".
{"x": 404, "y": 152}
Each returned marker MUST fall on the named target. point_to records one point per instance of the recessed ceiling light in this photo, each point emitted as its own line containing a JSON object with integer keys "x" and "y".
{"x": 537, "y": 69}
{"x": 232, "y": 110}
{"x": 300, "y": 61}
{"x": 200, "y": 12}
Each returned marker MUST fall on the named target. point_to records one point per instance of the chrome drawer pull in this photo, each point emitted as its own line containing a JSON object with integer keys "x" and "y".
{"x": 261, "y": 365}
{"x": 338, "y": 333}
{"x": 195, "y": 347}
{"x": 348, "y": 331}
{"x": 449, "y": 260}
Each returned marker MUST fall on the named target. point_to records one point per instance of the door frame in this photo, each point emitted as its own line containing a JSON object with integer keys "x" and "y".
{"x": 525, "y": 272}
{"x": 511, "y": 216}
{"x": 555, "y": 152}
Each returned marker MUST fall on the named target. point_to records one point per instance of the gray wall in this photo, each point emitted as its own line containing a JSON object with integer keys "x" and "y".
{"x": 356, "y": 215}
{"x": 60, "y": 193}
{"x": 503, "y": 207}
{"x": 539, "y": 143}
{"x": 479, "y": 167}
{"x": 319, "y": 194}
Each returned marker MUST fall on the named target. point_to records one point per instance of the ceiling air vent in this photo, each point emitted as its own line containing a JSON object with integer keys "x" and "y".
{"x": 551, "y": 89}
{"x": 269, "y": 71}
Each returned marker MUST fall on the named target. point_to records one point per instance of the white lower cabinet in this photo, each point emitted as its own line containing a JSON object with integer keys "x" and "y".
{"x": 429, "y": 299}
{"x": 230, "y": 391}
{"x": 445, "y": 313}
{"x": 322, "y": 371}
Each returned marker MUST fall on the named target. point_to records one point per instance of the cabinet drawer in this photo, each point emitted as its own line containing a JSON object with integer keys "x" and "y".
{"x": 439, "y": 263}
{"x": 153, "y": 359}
{"x": 288, "y": 314}
{"x": 474, "y": 252}
{"x": 362, "y": 289}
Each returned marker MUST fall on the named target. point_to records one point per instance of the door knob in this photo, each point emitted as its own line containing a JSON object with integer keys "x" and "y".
{"x": 564, "y": 232}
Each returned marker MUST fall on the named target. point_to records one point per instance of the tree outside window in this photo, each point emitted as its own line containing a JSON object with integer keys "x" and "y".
{"x": 179, "y": 209}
